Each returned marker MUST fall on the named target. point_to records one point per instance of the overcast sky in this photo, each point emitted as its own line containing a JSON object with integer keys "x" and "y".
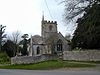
{"x": 26, "y": 15}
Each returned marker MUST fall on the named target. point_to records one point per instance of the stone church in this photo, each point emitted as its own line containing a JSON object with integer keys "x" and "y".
{"x": 50, "y": 41}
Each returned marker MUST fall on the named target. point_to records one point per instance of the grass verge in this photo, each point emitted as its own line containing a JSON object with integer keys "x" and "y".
{"x": 47, "y": 65}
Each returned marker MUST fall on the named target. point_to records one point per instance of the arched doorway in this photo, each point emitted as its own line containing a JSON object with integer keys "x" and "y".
{"x": 38, "y": 50}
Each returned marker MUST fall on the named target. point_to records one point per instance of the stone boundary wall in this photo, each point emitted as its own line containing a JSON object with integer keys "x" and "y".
{"x": 32, "y": 59}
{"x": 83, "y": 55}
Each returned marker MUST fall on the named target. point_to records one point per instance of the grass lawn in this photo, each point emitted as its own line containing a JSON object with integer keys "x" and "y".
{"x": 50, "y": 65}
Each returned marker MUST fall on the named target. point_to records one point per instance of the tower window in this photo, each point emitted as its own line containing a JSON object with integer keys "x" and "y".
{"x": 50, "y": 27}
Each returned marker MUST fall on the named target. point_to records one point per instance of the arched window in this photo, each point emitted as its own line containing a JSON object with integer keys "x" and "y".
{"x": 59, "y": 45}
{"x": 38, "y": 50}
{"x": 50, "y": 27}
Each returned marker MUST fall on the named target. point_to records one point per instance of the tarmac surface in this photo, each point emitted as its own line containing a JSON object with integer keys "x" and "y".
{"x": 48, "y": 72}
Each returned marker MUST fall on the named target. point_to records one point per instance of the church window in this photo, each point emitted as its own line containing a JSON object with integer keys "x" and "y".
{"x": 50, "y": 27}
{"x": 59, "y": 45}
{"x": 38, "y": 50}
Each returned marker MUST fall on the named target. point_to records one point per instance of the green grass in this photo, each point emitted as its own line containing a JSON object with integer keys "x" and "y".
{"x": 50, "y": 65}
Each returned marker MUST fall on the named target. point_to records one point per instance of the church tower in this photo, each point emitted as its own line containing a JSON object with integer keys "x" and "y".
{"x": 48, "y": 28}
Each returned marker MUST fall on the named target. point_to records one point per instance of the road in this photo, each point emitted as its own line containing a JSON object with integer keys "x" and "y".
{"x": 46, "y": 72}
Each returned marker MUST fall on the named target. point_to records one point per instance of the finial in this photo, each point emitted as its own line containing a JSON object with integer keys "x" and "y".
{"x": 43, "y": 16}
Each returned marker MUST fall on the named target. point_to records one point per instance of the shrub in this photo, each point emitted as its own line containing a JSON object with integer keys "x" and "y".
{"x": 4, "y": 57}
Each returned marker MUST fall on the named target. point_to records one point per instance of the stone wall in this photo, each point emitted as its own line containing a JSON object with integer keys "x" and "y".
{"x": 87, "y": 55}
{"x": 83, "y": 55}
{"x": 32, "y": 59}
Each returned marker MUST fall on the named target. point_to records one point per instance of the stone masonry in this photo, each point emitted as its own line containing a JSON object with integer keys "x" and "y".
{"x": 83, "y": 55}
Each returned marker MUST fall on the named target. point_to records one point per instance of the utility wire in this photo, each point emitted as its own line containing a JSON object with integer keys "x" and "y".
{"x": 48, "y": 9}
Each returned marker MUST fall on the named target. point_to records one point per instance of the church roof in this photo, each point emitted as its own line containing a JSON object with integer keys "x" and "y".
{"x": 55, "y": 37}
{"x": 36, "y": 39}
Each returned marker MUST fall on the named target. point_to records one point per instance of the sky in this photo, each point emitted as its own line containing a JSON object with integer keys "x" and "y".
{"x": 26, "y": 15}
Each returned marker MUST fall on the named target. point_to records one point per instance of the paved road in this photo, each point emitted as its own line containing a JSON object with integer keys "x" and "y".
{"x": 45, "y": 72}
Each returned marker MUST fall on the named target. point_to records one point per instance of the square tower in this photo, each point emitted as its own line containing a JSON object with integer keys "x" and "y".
{"x": 48, "y": 28}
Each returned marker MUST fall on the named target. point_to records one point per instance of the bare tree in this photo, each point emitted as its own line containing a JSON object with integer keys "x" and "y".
{"x": 74, "y": 8}
{"x": 16, "y": 37}
{"x": 68, "y": 37}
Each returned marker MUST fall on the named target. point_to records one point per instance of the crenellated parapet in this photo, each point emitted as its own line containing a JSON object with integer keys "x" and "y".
{"x": 49, "y": 22}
